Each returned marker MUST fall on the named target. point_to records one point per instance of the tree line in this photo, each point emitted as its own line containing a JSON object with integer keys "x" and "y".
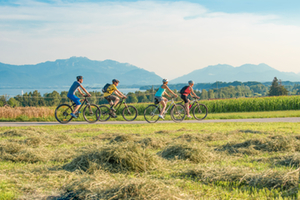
{"x": 252, "y": 90}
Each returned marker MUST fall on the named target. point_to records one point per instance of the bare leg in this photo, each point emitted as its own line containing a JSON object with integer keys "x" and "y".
{"x": 76, "y": 108}
{"x": 164, "y": 103}
{"x": 116, "y": 101}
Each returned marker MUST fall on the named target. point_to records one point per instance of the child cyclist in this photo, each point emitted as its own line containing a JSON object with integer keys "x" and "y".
{"x": 185, "y": 92}
{"x": 159, "y": 98}
{"x": 112, "y": 99}
{"x": 71, "y": 94}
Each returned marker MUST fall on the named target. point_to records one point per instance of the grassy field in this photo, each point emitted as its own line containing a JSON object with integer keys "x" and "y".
{"x": 151, "y": 161}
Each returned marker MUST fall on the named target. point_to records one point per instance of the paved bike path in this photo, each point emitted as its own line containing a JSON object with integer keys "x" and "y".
{"x": 260, "y": 120}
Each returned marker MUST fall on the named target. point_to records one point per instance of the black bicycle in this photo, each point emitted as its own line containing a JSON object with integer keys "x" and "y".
{"x": 129, "y": 112}
{"x": 91, "y": 112}
{"x": 200, "y": 111}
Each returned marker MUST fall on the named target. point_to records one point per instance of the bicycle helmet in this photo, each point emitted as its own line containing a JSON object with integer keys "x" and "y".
{"x": 165, "y": 80}
{"x": 79, "y": 77}
{"x": 115, "y": 81}
{"x": 191, "y": 82}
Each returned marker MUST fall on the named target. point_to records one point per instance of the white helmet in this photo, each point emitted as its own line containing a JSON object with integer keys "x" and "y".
{"x": 165, "y": 80}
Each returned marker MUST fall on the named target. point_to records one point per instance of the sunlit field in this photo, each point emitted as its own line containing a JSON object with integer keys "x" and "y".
{"x": 151, "y": 161}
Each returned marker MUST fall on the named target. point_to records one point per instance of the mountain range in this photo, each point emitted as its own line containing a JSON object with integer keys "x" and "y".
{"x": 61, "y": 73}
{"x": 228, "y": 73}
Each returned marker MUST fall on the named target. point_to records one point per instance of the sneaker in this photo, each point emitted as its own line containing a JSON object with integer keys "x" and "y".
{"x": 160, "y": 116}
{"x": 73, "y": 115}
{"x": 112, "y": 109}
{"x": 189, "y": 116}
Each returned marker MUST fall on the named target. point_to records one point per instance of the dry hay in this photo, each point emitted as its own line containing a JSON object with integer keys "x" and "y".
{"x": 270, "y": 144}
{"x": 122, "y": 138}
{"x": 154, "y": 143}
{"x": 185, "y": 151}
{"x": 83, "y": 130}
{"x": 270, "y": 179}
{"x": 290, "y": 160}
{"x": 201, "y": 137}
{"x": 117, "y": 157}
{"x": 164, "y": 132}
{"x": 250, "y": 131}
{"x": 102, "y": 186}
{"x": 22, "y": 132}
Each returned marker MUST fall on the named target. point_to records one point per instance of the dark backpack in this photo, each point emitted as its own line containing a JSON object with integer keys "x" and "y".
{"x": 183, "y": 89}
{"x": 104, "y": 89}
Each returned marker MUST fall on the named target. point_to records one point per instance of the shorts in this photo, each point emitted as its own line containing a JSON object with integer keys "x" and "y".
{"x": 157, "y": 100}
{"x": 74, "y": 98}
{"x": 111, "y": 98}
{"x": 185, "y": 99}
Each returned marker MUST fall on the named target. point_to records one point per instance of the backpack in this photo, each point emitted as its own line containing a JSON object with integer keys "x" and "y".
{"x": 183, "y": 89}
{"x": 104, "y": 89}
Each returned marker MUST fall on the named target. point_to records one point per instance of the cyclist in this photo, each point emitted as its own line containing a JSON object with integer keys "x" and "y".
{"x": 185, "y": 92}
{"x": 112, "y": 99}
{"x": 71, "y": 94}
{"x": 160, "y": 99}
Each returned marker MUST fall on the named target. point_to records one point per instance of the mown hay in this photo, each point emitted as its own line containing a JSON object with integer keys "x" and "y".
{"x": 270, "y": 144}
{"x": 185, "y": 151}
{"x": 164, "y": 132}
{"x": 104, "y": 187}
{"x": 118, "y": 157}
{"x": 22, "y": 132}
{"x": 201, "y": 137}
{"x": 270, "y": 179}
{"x": 123, "y": 138}
{"x": 154, "y": 143}
{"x": 290, "y": 160}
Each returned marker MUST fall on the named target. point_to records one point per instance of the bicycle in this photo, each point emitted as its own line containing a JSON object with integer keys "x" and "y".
{"x": 91, "y": 112}
{"x": 152, "y": 111}
{"x": 129, "y": 113}
{"x": 200, "y": 111}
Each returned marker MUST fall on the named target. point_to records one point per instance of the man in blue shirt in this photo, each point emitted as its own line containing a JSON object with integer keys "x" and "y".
{"x": 71, "y": 94}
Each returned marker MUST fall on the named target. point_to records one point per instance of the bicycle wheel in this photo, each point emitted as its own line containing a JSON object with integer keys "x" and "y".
{"x": 105, "y": 113}
{"x": 129, "y": 113}
{"x": 151, "y": 113}
{"x": 91, "y": 113}
{"x": 178, "y": 113}
{"x": 200, "y": 111}
{"x": 62, "y": 113}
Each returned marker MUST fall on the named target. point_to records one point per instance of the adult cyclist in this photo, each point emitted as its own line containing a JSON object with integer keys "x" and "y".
{"x": 112, "y": 99}
{"x": 162, "y": 100}
{"x": 185, "y": 92}
{"x": 71, "y": 94}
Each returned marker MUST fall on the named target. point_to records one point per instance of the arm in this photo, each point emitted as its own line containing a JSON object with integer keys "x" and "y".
{"x": 171, "y": 91}
{"x": 192, "y": 91}
{"x": 120, "y": 94}
{"x": 84, "y": 91}
{"x": 167, "y": 94}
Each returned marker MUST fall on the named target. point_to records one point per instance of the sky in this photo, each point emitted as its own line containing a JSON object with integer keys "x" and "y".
{"x": 170, "y": 38}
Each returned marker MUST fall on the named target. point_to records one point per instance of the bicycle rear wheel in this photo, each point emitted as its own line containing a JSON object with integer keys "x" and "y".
{"x": 91, "y": 113}
{"x": 105, "y": 113}
{"x": 151, "y": 113}
{"x": 200, "y": 111}
{"x": 129, "y": 113}
{"x": 62, "y": 113}
{"x": 178, "y": 113}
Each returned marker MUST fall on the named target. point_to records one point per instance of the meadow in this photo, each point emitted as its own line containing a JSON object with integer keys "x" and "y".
{"x": 151, "y": 161}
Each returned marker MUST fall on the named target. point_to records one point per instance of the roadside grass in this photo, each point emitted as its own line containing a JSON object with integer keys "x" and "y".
{"x": 140, "y": 117}
{"x": 151, "y": 161}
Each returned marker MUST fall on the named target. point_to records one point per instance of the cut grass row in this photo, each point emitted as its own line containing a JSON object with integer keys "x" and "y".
{"x": 151, "y": 161}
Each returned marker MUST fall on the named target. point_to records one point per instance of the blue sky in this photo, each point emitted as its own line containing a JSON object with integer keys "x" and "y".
{"x": 167, "y": 37}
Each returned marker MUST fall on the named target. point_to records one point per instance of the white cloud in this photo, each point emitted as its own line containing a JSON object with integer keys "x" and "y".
{"x": 170, "y": 38}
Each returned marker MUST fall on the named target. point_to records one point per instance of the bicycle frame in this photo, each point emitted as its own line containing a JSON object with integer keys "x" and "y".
{"x": 168, "y": 107}
{"x": 120, "y": 103}
{"x": 85, "y": 101}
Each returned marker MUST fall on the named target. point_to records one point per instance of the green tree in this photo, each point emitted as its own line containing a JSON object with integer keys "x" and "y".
{"x": 13, "y": 102}
{"x": 211, "y": 94}
{"x": 204, "y": 94}
{"x": 277, "y": 89}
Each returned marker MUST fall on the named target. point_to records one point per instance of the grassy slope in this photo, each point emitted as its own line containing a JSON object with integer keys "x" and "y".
{"x": 33, "y": 159}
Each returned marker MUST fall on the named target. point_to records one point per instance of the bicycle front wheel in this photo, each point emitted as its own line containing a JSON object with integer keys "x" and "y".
{"x": 200, "y": 111}
{"x": 105, "y": 113}
{"x": 129, "y": 113}
{"x": 151, "y": 113}
{"x": 178, "y": 113}
{"x": 62, "y": 113}
{"x": 91, "y": 113}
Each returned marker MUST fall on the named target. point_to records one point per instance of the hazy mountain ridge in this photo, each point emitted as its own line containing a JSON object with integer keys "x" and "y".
{"x": 228, "y": 73}
{"x": 63, "y": 72}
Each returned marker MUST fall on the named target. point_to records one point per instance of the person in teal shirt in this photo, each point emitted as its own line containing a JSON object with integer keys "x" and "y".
{"x": 162, "y": 100}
